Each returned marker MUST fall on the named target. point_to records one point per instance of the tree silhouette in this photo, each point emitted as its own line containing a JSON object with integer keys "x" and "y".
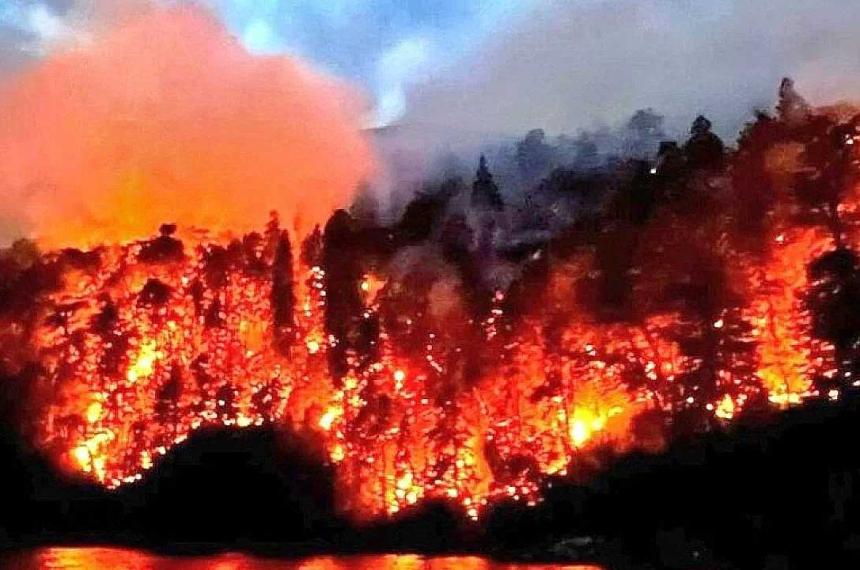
{"x": 283, "y": 298}
{"x": 830, "y": 168}
{"x": 704, "y": 150}
{"x": 754, "y": 190}
{"x": 534, "y": 155}
{"x": 312, "y": 246}
{"x": 485, "y": 193}
{"x": 791, "y": 107}
{"x": 344, "y": 306}
{"x": 644, "y": 133}
{"x": 425, "y": 211}
{"x": 587, "y": 155}
{"x": 833, "y": 299}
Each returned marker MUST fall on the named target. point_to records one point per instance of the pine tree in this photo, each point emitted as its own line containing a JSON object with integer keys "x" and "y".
{"x": 792, "y": 108}
{"x": 485, "y": 193}
{"x": 312, "y": 247}
{"x": 344, "y": 307}
{"x": 283, "y": 298}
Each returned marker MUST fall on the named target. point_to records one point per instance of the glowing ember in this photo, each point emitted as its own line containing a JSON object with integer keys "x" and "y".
{"x": 157, "y": 349}
{"x": 142, "y": 367}
{"x": 145, "y": 352}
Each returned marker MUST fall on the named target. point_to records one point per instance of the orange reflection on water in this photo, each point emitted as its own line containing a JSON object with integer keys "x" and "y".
{"x": 128, "y": 559}
{"x": 81, "y": 559}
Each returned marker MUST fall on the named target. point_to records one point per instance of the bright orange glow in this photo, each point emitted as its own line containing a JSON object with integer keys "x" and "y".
{"x": 142, "y": 367}
{"x": 94, "y": 412}
{"x": 172, "y": 366}
{"x": 328, "y": 418}
{"x": 726, "y": 408}
{"x": 313, "y": 345}
{"x": 107, "y": 141}
{"x": 780, "y": 323}
{"x": 111, "y": 558}
{"x": 205, "y": 354}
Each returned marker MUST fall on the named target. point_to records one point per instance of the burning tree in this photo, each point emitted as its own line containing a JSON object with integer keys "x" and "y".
{"x": 712, "y": 283}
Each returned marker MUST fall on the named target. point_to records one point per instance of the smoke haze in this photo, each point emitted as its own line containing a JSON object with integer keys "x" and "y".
{"x": 166, "y": 117}
{"x": 574, "y": 64}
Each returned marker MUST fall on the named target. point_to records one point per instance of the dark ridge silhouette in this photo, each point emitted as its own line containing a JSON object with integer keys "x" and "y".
{"x": 779, "y": 491}
{"x": 225, "y": 486}
{"x": 783, "y": 492}
{"x": 220, "y": 486}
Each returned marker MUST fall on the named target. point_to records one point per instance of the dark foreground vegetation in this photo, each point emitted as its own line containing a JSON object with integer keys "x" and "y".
{"x": 780, "y": 493}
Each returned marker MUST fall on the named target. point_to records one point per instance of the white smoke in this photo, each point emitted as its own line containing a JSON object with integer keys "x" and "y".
{"x": 576, "y": 64}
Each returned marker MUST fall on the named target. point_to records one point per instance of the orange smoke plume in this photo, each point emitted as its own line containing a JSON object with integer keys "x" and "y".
{"x": 168, "y": 118}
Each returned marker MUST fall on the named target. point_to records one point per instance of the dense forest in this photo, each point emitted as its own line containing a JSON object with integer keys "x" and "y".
{"x": 629, "y": 293}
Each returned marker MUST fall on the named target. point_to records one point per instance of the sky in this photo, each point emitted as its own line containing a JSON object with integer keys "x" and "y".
{"x": 384, "y": 45}
{"x": 511, "y": 65}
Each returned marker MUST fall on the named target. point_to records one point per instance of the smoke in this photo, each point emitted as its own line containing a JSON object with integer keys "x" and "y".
{"x": 572, "y": 65}
{"x": 165, "y": 117}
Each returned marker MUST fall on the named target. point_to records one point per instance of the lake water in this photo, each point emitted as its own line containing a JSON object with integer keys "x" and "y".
{"x": 128, "y": 559}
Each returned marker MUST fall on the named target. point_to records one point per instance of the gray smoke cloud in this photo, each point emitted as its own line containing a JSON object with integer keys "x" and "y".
{"x": 571, "y": 65}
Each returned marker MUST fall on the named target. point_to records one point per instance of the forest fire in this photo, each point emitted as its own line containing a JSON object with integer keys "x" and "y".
{"x": 418, "y": 385}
